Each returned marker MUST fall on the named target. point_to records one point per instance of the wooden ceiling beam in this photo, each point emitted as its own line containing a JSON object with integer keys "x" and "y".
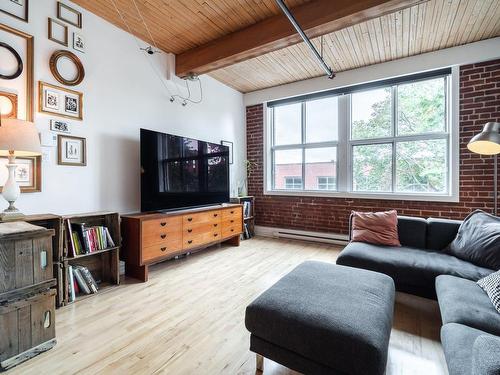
{"x": 318, "y": 17}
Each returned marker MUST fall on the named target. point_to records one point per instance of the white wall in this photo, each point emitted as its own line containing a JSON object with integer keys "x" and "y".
{"x": 470, "y": 53}
{"x": 121, "y": 95}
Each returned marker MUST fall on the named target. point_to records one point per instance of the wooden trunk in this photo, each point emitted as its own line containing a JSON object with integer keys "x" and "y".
{"x": 27, "y": 328}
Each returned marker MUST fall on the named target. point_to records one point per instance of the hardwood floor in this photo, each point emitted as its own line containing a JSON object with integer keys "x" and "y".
{"x": 189, "y": 319}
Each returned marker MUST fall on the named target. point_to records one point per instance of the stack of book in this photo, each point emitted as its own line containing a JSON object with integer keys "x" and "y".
{"x": 80, "y": 281}
{"x": 85, "y": 240}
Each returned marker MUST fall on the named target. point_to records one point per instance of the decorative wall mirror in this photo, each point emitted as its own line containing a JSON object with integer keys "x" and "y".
{"x": 8, "y": 104}
{"x": 12, "y": 60}
{"x": 67, "y": 68}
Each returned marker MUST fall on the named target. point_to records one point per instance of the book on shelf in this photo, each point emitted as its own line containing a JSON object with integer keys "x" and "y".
{"x": 247, "y": 212}
{"x": 80, "y": 281}
{"x": 83, "y": 239}
{"x": 246, "y": 232}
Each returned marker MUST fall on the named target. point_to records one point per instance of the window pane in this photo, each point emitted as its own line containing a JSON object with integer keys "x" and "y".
{"x": 322, "y": 120}
{"x": 421, "y": 166}
{"x": 371, "y": 114}
{"x": 288, "y": 124}
{"x": 287, "y": 163}
{"x": 421, "y": 107}
{"x": 372, "y": 168}
{"x": 321, "y": 167}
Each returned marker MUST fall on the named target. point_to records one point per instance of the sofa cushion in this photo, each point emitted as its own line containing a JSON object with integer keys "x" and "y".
{"x": 458, "y": 342}
{"x": 463, "y": 301}
{"x": 413, "y": 270}
{"x": 441, "y": 232}
{"x": 310, "y": 312}
{"x": 491, "y": 285}
{"x": 478, "y": 240}
{"x": 486, "y": 356}
{"x": 412, "y": 231}
{"x": 380, "y": 228}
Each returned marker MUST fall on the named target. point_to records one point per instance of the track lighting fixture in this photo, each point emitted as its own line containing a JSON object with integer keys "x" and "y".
{"x": 150, "y": 50}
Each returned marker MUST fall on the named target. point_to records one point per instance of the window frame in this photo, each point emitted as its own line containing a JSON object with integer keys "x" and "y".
{"x": 344, "y": 144}
{"x": 303, "y": 146}
{"x": 293, "y": 182}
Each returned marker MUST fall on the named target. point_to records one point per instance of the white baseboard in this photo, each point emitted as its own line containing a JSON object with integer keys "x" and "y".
{"x": 331, "y": 238}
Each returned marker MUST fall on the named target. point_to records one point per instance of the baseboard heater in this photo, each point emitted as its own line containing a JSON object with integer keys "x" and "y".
{"x": 331, "y": 238}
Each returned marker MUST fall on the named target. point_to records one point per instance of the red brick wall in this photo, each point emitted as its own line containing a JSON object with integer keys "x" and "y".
{"x": 479, "y": 103}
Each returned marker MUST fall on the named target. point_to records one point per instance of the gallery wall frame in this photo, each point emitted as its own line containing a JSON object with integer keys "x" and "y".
{"x": 69, "y": 15}
{"x": 28, "y": 173}
{"x": 28, "y": 67}
{"x": 53, "y": 24}
{"x": 71, "y": 150}
{"x": 60, "y": 101}
{"x": 8, "y": 98}
{"x": 22, "y": 13}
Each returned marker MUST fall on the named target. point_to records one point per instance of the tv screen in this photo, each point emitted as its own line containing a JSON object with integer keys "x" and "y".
{"x": 178, "y": 172}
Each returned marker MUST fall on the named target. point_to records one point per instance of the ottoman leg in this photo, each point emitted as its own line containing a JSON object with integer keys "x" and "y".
{"x": 260, "y": 362}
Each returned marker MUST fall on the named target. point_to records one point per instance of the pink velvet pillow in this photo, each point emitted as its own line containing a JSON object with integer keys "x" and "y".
{"x": 379, "y": 228}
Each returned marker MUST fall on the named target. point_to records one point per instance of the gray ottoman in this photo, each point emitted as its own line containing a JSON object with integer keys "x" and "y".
{"x": 322, "y": 318}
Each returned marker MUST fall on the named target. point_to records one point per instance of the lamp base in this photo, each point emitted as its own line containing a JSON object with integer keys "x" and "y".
{"x": 11, "y": 213}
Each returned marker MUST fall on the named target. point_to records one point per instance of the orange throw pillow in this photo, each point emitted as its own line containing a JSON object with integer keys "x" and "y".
{"x": 379, "y": 228}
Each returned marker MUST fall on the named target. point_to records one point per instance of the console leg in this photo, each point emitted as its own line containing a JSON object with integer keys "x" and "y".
{"x": 260, "y": 362}
{"x": 235, "y": 241}
{"x": 137, "y": 272}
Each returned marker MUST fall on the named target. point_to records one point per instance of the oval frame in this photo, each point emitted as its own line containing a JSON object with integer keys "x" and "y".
{"x": 74, "y": 58}
{"x": 19, "y": 62}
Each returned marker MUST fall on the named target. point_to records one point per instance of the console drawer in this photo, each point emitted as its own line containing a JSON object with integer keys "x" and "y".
{"x": 161, "y": 249}
{"x": 235, "y": 213}
{"x": 159, "y": 231}
{"x": 199, "y": 229}
{"x": 231, "y": 231}
{"x": 201, "y": 217}
{"x": 191, "y": 241}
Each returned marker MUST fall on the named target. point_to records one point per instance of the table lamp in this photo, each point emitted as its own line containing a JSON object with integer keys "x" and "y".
{"x": 488, "y": 143}
{"x": 17, "y": 138}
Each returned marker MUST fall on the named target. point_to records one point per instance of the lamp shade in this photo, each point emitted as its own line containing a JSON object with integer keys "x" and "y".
{"x": 488, "y": 141}
{"x": 19, "y": 136}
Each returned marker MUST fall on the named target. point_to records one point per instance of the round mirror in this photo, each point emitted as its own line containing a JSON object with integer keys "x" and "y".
{"x": 11, "y": 65}
{"x": 67, "y": 68}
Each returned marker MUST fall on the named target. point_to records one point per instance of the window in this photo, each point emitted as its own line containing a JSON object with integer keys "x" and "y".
{"x": 388, "y": 139}
{"x": 304, "y": 144}
{"x": 326, "y": 183}
{"x": 293, "y": 182}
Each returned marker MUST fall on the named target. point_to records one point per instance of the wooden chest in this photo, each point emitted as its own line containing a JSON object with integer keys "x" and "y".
{"x": 27, "y": 304}
{"x": 27, "y": 328}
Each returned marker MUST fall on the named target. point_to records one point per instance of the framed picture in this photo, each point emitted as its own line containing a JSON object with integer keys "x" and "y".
{"x": 16, "y": 8}
{"x": 69, "y": 15}
{"x": 71, "y": 150}
{"x": 60, "y": 101}
{"x": 8, "y": 104}
{"x": 230, "y": 145}
{"x": 78, "y": 42}
{"x": 28, "y": 173}
{"x": 58, "y": 32}
{"x": 60, "y": 126}
{"x": 20, "y": 79}
{"x": 66, "y": 68}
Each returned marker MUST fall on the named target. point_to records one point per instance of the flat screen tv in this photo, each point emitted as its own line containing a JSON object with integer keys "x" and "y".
{"x": 179, "y": 172}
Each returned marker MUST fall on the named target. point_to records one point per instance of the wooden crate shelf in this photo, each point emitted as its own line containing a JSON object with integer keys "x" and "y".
{"x": 104, "y": 265}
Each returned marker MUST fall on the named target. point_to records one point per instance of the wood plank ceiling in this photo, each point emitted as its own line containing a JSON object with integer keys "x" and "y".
{"x": 181, "y": 25}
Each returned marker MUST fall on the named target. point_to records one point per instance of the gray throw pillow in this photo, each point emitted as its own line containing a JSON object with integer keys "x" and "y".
{"x": 491, "y": 285}
{"x": 478, "y": 240}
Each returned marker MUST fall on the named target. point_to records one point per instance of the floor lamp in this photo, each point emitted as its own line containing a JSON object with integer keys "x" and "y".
{"x": 488, "y": 143}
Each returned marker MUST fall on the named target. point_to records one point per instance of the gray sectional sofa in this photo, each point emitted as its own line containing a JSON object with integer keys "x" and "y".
{"x": 471, "y": 326}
